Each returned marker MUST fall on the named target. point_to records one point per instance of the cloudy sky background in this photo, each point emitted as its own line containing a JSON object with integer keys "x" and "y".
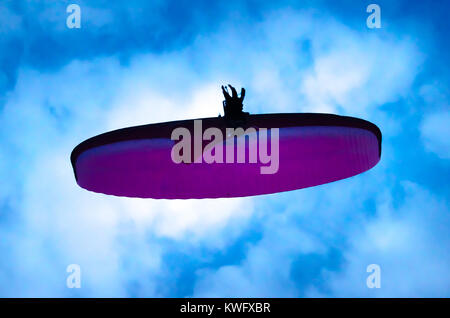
{"x": 139, "y": 62}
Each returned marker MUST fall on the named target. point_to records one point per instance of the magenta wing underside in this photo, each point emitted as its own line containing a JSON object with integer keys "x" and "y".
{"x": 308, "y": 156}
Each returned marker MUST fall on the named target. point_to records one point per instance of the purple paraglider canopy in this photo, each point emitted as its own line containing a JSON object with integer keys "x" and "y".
{"x": 301, "y": 150}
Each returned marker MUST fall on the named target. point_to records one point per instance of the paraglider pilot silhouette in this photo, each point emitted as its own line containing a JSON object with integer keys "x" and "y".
{"x": 232, "y": 105}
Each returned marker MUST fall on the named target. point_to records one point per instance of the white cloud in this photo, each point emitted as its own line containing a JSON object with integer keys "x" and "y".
{"x": 408, "y": 242}
{"x": 435, "y": 131}
{"x": 360, "y": 74}
{"x": 121, "y": 241}
{"x": 301, "y": 224}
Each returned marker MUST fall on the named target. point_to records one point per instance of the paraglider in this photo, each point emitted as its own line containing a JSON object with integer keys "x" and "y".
{"x": 232, "y": 156}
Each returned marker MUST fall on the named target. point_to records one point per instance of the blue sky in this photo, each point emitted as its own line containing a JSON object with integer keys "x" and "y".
{"x": 150, "y": 61}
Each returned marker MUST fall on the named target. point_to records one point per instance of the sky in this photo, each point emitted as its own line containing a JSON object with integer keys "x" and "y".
{"x": 139, "y": 62}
